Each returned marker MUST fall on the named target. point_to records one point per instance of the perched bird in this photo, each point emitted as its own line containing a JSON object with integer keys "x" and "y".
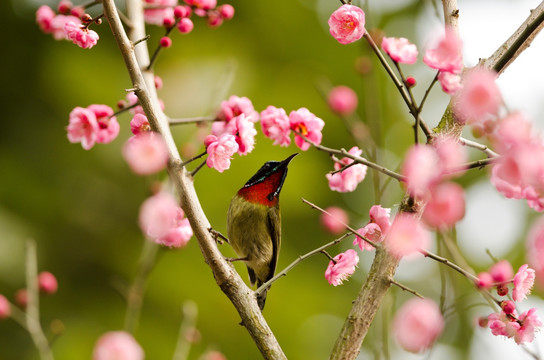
{"x": 254, "y": 222}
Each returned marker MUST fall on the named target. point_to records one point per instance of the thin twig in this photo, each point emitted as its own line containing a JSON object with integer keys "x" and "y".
{"x": 301, "y": 258}
{"x": 192, "y": 120}
{"x": 157, "y": 51}
{"x": 406, "y": 288}
{"x": 473, "y": 144}
{"x": 193, "y": 173}
{"x": 193, "y": 158}
{"x": 183, "y": 347}
{"x": 450, "y": 264}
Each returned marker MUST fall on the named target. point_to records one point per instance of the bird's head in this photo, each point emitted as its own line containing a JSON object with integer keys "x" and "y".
{"x": 264, "y": 187}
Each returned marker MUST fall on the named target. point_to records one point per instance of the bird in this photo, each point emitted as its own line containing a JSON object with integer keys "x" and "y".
{"x": 254, "y": 223}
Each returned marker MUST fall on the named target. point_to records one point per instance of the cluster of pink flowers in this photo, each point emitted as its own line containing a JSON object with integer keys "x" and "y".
{"x": 163, "y": 221}
{"x": 376, "y": 229}
{"x": 167, "y": 13}
{"x": 417, "y": 325}
{"x": 425, "y": 168}
{"x": 347, "y": 179}
{"x": 80, "y": 35}
{"x": 400, "y": 50}
{"x": 220, "y": 151}
{"x": 446, "y": 56}
{"x": 347, "y": 24}
{"x": 507, "y": 323}
{"x": 94, "y": 124}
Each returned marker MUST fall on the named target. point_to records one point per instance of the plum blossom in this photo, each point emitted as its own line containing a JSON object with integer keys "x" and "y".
{"x": 226, "y": 11}
{"x": 446, "y": 55}
{"x": 485, "y": 281}
{"x": 406, "y": 235}
{"x": 47, "y": 282}
{"x": 417, "y": 325}
{"x": 185, "y": 25}
{"x": 202, "y": 4}
{"x": 235, "y": 106}
{"x": 83, "y": 127}
{"x": 381, "y": 216}
{"x": 118, "y": 345}
{"x": 341, "y": 267}
{"x": 523, "y": 283}
{"x": 179, "y": 234}
{"x": 44, "y": 17}
{"x": 342, "y": 100}
{"x": 445, "y": 207}
{"x": 80, "y": 35}
{"x": 348, "y": 179}
{"x": 347, "y": 24}
{"x": 400, "y": 50}
{"x": 451, "y": 154}
{"x": 220, "y": 151}
{"x": 421, "y": 169}
{"x": 52, "y": 23}
{"x": 244, "y": 131}
{"x": 5, "y": 308}
{"x": 164, "y": 10}
{"x": 334, "y": 219}
{"x": 146, "y": 153}
{"x": 139, "y": 124}
{"x": 501, "y": 271}
{"x": 304, "y": 122}
{"x": 276, "y": 126}
{"x": 451, "y": 83}
{"x": 479, "y": 96}
{"x": 108, "y": 127}
{"x": 522, "y": 329}
{"x": 530, "y": 323}
{"x": 372, "y": 232}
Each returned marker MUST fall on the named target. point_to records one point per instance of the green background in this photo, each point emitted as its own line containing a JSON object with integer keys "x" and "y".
{"x": 81, "y": 207}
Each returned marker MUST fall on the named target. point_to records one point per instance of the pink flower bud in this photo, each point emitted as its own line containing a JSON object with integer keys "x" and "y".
{"x": 165, "y": 42}
{"x": 502, "y": 290}
{"x": 226, "y": 11}
{"x": 146, "y": 153}
{"x": 168, "y": 22}
{"x": 483, "y": 322}
{"x": 47, "y": 282}
{"x": 485, "y": 281}
{"x": 501, "y": 271}
{"x": 334, "y": 223}
{"x": 117, "y": 345}
{"x": 342, "y": 100}
{"x": 5, "y": 308}
{"x": 82, "y": 37}
{"x": 275, "y": 125}
{"x": 185, "y": 26}
{"x": 64, "y": 7}
{"x": 417, "y": 324}
{"x": 158, "y": 82}
{"x": 21, "y": 298}
{"x": 214, "y": 19}
{"x": 182, "y": 11}
{"x": 410, "y": 81}
{"x": 77, "y": 11}
{"x": 508, "y": 307}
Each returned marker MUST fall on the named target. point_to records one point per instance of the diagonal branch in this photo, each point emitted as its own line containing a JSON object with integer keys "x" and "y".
{"x": 137, "y": 58}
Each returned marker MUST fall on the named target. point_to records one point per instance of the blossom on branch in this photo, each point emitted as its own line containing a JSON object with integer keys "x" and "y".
{"x": 400, "y": 50}
{"x": 220, "y": 151}
{"x": 522, "y": 329}
{"x": 139, "y": 124}
{"x": 451, "y": 83}
{"x": 276, "y": 126}
{"x": 341, "y": 267}
{"x": 372, "y": 232}
{"x": 417, "y": 325}
{"x": 342, "y": 100}
{"x": 501, "y": 271}
{"x": 307, "y": 124}
{"x": 158, "y": 11}
{"x": 334, "y": 220}
{"x": 347, "y": 24}
{"x": 523, "y": 283}
{"x": 119, "y": 345}
{"x": 80, "y": 35}
{"x": 82, "y": 127}
{"x": 479, "y": 97}
{"x": 446, "y": 206}
{"x": 52, "y": 23}
{"x": 244, "y": 131}
{"x": 146, "y": 153}
{"x": 347, "y": 179}
{"x": 381, "y": 216}
{"x": 47, "y": 282}
{"x": 5, "y": 308}
{"x": 406, "y": 236}
{"x": 108, "y": 127}
{"x": 446, "y": 55}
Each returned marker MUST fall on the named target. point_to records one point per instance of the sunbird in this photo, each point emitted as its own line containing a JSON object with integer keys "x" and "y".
{"x": 254, "y": 223}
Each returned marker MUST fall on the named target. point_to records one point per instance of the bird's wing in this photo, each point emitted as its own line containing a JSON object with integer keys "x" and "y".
{"x": 274, "y": 229}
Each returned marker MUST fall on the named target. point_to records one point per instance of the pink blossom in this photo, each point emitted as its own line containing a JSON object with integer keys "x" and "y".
{"x": 178, "y": 234}
{"x": 485, "y": 280}
{"x": 512, "y": 132}
{"x": 400, "y": 50}
{"x": 108, "y": 127}
{"x": 44, "y": 17}
{"x": 139, "y": 124}
{"x": 159, "y": 214}
{"x": 451, "y": 154}
{"x": 335, "y": 220}
{"x": 451, "y": 83}
{"x": 421, "y": 167}
{"x": 182, "y": 11}
{"x": 304, "y": 122}
{"x": 446, "y": 55}
{"x": 118, "y": 345}
{"x": 417, "y": 325}
{"x": 381, "y": 216}
{"x": 535, "y": 246}
{"x": 342, "y": 100}
{"x": 244, "y": 131}
{"x": 83, "y": 127}
{"x": 523, "y": 283}
{"x": 372, "y": 232}
{"x": 47, "y": 282}
{"x": 348, "y": 179}
{"x": 202, "y": 4}
{"x": 5, "y": 307}
{"x": 235, "y": 106}
{"x": 406, "y": 235}
{"x": 146, "y": 153}
{"x": 276, "y": 126}
{"x": 185, "y": 25}
{"x": 342, "y": 267}
{"x": 64, "y": 6}
{"x": 508, "y": 306}
{"x": 164, "y": 10}
{"x": 58, "y": 25}
{"x": 347, "y": 24}
{"x": 81, "y": 36}
{"x": 530, "y": 323}
{"x": 446, "y": 206}
{"x": 479, "y": 96}
{"x": 226, "y": 11}
{"x": 214, "y": 18}
{"x": 220, "y": 151}
{"x": 501, "y": 271}
{"x": 502, "y": 324}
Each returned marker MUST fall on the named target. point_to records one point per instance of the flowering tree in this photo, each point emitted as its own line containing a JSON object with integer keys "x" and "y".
{"x": 430, "y": 174}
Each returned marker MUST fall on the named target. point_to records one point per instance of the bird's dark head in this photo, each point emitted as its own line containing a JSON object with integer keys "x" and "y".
{"x": 264, "y": 187}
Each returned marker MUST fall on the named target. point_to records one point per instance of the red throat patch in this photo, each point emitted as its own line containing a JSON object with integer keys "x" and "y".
{"x": 260, "y": 192}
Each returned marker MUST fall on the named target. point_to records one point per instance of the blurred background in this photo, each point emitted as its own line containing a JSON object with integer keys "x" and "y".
{"x": 81, "y": 207}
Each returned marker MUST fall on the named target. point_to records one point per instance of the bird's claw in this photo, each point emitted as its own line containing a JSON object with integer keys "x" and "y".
{"x": 218, "y": 237}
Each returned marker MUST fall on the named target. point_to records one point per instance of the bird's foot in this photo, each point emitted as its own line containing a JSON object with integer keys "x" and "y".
{"x": 218, "y": 236}
{"x": 245, "y": 258}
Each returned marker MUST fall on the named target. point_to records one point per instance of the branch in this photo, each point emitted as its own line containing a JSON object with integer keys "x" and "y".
{"x": 405, "y": 288}
{"x": 520, "y": 40}
{"x": 242, "y": 297}
{"x": 190, "y": 313}
{"x": 193, "y": 120}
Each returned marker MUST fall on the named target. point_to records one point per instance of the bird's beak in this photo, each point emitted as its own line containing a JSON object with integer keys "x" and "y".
{"x": 288, "y": 160}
